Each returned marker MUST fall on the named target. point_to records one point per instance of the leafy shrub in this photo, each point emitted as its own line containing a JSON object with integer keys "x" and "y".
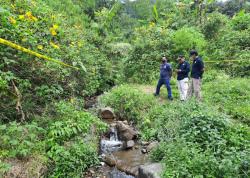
{"x": 150, "y": 43}
{"x": 204, "y": 128}
{"x": 185, "y": 39}
{"x": 184, "y": 159}
{"x": 128, "y": 102}
{"x": 71, "y": 143}
{"x": 21, "y": 140}
{"x": 42, "y": 26}
{"x": 163, "y": 122}
{"x": 4, "y": 167}
{"x": 214, "y": 25}
{"x": 232, "y": 45}
{"x": 212, "y": 75}
{"x": 70, "y": 122}
{"x": 72, "y": 159}
{"x": 241, "y": 21}
{"x": 197, "y": 140}
{"x": 229, "y": 92}
{"x": 65, "y": 136}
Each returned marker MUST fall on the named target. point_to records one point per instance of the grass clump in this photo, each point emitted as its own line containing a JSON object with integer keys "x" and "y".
{"x": 197, "y": 140}
{"x": 231, "y": 95}
{"x": 128, "y": 102}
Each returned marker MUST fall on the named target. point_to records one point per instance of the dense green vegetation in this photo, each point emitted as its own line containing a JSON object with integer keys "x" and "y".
{"x": 42, "y": 115}
{"x": 197, "y": 139}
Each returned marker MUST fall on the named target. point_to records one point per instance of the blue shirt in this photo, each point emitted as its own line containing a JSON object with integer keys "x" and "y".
{"x": 165, "y": 71}
{"x": 185, "y": 69}
{"x": 197, "y": 68}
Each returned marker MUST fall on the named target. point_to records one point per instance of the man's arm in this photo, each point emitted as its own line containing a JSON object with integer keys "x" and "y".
{"x": 202, "y": 67}
{"x": 170, "y": 71}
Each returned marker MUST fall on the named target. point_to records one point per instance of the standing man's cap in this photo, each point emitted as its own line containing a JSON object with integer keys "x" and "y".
{"x": 193, "y": 52}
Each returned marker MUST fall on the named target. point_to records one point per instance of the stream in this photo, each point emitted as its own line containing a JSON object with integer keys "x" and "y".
{"x": 127, "y": 160}
{"x": 119, "y": 161}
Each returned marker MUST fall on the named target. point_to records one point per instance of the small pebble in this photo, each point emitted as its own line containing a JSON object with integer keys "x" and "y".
{"x": 144, "y": 151}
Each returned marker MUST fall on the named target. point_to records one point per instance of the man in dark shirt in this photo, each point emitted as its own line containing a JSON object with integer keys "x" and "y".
{"x": 196, "y": 75}
{"x": 165, "y": 76}
{"x": 182, "y": 77}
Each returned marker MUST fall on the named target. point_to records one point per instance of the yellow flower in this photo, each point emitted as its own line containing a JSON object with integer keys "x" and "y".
{"x": 54, "y": 45}
{"x": 40, "y": 47}
{"x": 152, "y": 24}
{"x": 30, "y": 16}
{"x": 55, "y": 26}
{"x": 12, "y": 20}
{"x": 21, "y": 17}
{"x": 53, "y": 31}
{"x": 34, "y": 19}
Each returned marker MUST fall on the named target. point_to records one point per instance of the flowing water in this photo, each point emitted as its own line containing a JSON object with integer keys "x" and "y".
{"x": 112, "y": 144}
{"x": 126, "y": 160}
{"x": 113, "y": 147}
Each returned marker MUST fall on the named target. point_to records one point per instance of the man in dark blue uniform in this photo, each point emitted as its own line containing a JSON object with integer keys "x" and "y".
{"x": 165, "y": 76}
{"x": 196, "y": 75}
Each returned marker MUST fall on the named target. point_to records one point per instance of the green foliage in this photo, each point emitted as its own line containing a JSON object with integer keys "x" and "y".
{"x": 159, "y": 115}
{"x": 72, "y": 159}
{"x": 215, "y": 23}
{"x": 183, "y": 159}
{"x": 18, "y": 140}
{"x": 4, "y": 167}
{"x": 229, "y": 92}
{"x": 35, "y": 25}
{"x": 200, "y": 141}
{"x": 186, "y": 39}
{"x": 212, "y": 75}
{"x": 241, "y": 21}
{"x": 66, "y": 137}
{"x": 128, "y": 102}
{"x": 70, "y": 122}
{"x": 114, "y": 43}
{"x": 150, "y": 44}
{"x": 70, "y": 141}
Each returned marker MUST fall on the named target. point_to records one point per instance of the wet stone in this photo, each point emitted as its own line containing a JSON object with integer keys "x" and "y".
{"x": 125, "y": 132}
{"x": 153, "y": 170}
{"x": 143, "y": 143}
{"x": 130, "y": 144}
{"x": 125, "y": 122}
{"x": 144, "y": 151}
{"x": 151, "y": 146}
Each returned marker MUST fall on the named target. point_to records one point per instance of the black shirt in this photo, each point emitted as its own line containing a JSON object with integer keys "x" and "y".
{"x": 197, "y": 68}
{"x": 185, "y": 69}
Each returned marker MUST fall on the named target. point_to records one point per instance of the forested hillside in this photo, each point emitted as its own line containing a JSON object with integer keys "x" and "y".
{"x": 114, "y": 49}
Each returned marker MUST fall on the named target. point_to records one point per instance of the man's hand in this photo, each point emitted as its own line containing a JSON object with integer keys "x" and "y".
{"x": 178, "y": 70}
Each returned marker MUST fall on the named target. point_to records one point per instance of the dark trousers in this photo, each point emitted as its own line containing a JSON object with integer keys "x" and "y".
{"x": 166, "y": 82}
